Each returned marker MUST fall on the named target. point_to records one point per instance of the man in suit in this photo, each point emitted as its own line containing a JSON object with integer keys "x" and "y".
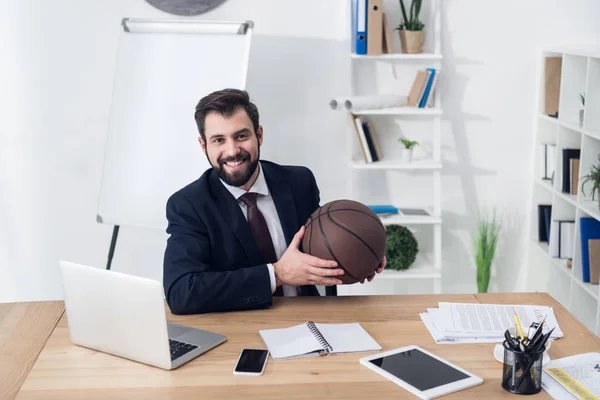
{"x": 235, "y": 233}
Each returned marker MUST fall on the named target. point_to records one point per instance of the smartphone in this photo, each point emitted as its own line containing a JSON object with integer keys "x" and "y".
{"x": 251, "y": 362}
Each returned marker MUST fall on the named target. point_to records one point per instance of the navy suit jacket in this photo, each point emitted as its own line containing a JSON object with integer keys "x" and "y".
{"x": 212, "y": 261}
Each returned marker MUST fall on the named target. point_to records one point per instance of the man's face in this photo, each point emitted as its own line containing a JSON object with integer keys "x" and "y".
{"x": 231, "y": 146}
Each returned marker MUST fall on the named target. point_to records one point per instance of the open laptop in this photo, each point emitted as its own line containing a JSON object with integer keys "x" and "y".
{"x": 124, "y": 315}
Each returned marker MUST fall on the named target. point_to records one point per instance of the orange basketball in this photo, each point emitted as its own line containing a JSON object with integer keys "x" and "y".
{"x": 349, "y": 233}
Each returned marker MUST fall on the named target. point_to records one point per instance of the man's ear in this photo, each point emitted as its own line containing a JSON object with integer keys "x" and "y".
{"x": 202, "y": 144}
{"x": 259, "y": 135}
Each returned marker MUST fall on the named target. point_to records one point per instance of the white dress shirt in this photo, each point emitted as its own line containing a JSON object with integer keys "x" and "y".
{"x": 267, "y": 207}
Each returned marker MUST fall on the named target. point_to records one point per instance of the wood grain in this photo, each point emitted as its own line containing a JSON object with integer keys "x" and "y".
{"x": 24, "y": 329}
{"x": 66, "y": 371}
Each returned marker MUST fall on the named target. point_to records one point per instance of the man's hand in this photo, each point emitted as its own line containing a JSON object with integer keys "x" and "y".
{"x": 381, "y": 266}
{"x": 296, "y": 268}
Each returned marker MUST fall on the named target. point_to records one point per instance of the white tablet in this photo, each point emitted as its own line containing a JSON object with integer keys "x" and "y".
{"x": 420, "y": 372}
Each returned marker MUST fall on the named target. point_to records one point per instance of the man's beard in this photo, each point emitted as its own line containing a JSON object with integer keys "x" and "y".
{"x": 237, "y": 178}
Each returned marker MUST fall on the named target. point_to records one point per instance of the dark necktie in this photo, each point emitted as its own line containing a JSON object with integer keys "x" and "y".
{"x": 261, "y": 232}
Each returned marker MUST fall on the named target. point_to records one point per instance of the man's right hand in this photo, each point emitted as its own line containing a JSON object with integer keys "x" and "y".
{"x": 296, "y": 268}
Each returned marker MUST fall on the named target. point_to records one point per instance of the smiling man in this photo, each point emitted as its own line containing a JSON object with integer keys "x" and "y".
{"x": 235, "y": 232}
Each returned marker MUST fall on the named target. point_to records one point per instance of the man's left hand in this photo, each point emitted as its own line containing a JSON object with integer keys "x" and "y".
{"x": 377, "y": 271}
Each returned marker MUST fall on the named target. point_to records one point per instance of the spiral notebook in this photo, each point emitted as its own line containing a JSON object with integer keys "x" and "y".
{"x": 316, "y": 339}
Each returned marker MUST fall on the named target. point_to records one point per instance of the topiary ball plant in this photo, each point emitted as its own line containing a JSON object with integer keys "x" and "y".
{"x": 402, "y": 247}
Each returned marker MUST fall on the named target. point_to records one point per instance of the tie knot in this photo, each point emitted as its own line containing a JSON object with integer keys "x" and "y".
{"x": 249, "y": 198}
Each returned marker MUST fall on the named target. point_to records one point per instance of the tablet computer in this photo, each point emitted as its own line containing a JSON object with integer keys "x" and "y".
{"x": 420, "y": 372}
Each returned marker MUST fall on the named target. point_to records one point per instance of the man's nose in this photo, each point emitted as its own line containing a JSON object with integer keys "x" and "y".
{"x": 232, "y": 149}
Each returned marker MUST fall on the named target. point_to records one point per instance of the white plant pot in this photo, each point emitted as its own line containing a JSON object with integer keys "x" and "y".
{"x": 406, "y": 155}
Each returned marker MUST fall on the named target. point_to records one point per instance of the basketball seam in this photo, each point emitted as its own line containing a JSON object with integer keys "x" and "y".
{"x": 329, "y": 248}
{"x": 353, "y": 234}
{"x": 348, "y": 209}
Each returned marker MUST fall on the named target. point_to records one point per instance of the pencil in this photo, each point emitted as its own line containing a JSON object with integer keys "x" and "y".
{"x": 518, "y": 324}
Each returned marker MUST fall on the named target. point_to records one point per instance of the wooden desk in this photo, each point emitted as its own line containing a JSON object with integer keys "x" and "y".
{"x": 64, "y": 371}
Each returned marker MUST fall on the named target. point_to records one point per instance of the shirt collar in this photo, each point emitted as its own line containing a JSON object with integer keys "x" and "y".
{"x": 259, "y": 186}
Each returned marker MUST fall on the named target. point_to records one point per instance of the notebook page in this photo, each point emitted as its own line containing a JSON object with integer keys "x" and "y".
{"x": 290, "y": 342}
{"x": 346, "y": 338}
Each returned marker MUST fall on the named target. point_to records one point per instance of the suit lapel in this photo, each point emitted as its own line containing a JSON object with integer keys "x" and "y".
{"x": 284, "y": 201}
{"x": 231, "y": 212}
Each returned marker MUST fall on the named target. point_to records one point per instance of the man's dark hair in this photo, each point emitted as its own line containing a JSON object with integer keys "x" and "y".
{"x": 225, "y": 102}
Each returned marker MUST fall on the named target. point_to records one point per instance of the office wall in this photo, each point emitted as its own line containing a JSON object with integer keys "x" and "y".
{"x": 56, "y": 79}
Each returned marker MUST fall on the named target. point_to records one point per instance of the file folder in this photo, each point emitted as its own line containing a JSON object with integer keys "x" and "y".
{"x": 375, "y": 27}
{"x": 361, "y": 27}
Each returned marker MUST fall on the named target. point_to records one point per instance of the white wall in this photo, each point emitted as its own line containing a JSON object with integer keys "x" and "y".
{"x": 56, "y": 78}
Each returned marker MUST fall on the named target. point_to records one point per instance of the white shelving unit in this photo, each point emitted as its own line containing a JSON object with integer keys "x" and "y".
{"x": 395, "y": 73}
{"x": 580, "y": 73}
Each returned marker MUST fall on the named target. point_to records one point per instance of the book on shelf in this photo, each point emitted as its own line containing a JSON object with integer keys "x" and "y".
{"x": 544, "y": 215}
{"x": 589, "y": 228}
{"x": 367, "y": 139}
{"x": 594, "y": 260}
{"x": 568, "y": 169}
{"x": 552, "y": 74}
{"x": 422, "y": 91}
{"x": 562, "y": 237}
{"x": 369, "y": 28}
{"x": 547, "y": 159}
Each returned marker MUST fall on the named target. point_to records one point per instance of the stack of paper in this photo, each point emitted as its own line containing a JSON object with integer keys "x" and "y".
{"x": 484, "y": 323}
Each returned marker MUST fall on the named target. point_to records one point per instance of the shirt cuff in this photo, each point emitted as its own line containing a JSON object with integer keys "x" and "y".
{"x": 272, "y": 276}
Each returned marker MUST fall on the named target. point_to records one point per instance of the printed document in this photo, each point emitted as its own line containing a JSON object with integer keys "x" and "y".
{"x": 574, "y": 377}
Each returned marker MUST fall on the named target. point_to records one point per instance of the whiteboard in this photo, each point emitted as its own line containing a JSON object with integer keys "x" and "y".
{"x": 163, "y": 68}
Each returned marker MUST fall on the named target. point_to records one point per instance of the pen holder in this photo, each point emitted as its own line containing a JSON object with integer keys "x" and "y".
{"x": 522, "y": 372}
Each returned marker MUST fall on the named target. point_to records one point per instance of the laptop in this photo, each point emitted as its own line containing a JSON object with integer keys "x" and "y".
{"x": 124, "y": 315}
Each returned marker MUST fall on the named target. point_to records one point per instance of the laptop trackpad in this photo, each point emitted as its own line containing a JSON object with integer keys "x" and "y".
{"x": 178, "y": 332}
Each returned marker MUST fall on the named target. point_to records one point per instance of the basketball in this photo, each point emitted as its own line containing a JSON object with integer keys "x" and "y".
{"x": 349, "y": 233}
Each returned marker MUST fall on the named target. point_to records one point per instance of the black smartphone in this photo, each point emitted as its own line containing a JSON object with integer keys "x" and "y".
{"x": 251, "y": 362}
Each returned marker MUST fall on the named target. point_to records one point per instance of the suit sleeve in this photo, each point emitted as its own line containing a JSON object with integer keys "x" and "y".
{"x": 192, "y": 285}
{"x": 316, "y": 195}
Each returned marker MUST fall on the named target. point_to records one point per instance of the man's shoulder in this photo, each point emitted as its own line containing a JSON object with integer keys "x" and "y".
{"x": 287, "y": 171}
{"x": 194, "y": 191}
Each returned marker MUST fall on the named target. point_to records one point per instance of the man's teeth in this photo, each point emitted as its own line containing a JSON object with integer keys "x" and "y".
{"x": 233, "y": 163}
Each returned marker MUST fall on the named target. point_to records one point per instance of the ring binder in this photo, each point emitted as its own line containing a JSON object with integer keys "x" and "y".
{"x": 322, "y": 341}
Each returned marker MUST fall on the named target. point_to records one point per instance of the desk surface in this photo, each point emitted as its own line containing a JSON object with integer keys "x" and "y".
{"x": 65, "y": 371}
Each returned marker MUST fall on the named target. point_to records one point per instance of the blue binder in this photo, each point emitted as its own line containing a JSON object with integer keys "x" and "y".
{"x": 589, "y": 229}
{"x": 427, "y": 88}
{"x": 359, "y": 26}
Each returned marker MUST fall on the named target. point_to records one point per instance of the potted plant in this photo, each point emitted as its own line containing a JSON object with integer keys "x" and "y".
{"x": 582, "y": 99}
{"x": 412, "y": 35}
{"x": 407, "y": 152}
{"x": 401, "y": 248}
{"x": 594, "y": 178}
{"x": 485, "y": 242}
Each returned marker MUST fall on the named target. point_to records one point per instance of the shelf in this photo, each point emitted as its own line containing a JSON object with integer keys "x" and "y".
{"x": 592, "y": 290}
{"x": 570, "y": 126}
{"x": 398, "y": 165}
{"x": 590, "y": 208}
{"x": 559, "y": 263}
{"x": 410, "y": 220}
{"x": 398, "y": 56}
{"x": 417, "y": 271}
{"x": 401, "y": 111}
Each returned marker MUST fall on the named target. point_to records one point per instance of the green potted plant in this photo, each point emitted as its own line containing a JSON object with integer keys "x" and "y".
{"x": 485, "y": 242}
{"x": 406, "y": 152}
{"x": 592, "y": 177}
{"x": 401, "y": 248}
{"x": 412, "y": 34}
{"x": 582, "y": 100}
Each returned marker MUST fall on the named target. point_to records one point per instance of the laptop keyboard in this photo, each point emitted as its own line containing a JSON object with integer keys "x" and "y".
{"x": 180, "y": 348}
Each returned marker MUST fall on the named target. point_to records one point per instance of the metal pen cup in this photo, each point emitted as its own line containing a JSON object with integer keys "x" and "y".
{"x": 522, "y": 372}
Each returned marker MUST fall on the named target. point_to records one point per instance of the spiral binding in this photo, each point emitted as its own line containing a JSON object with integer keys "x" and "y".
{"x": 317, "y": 334}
